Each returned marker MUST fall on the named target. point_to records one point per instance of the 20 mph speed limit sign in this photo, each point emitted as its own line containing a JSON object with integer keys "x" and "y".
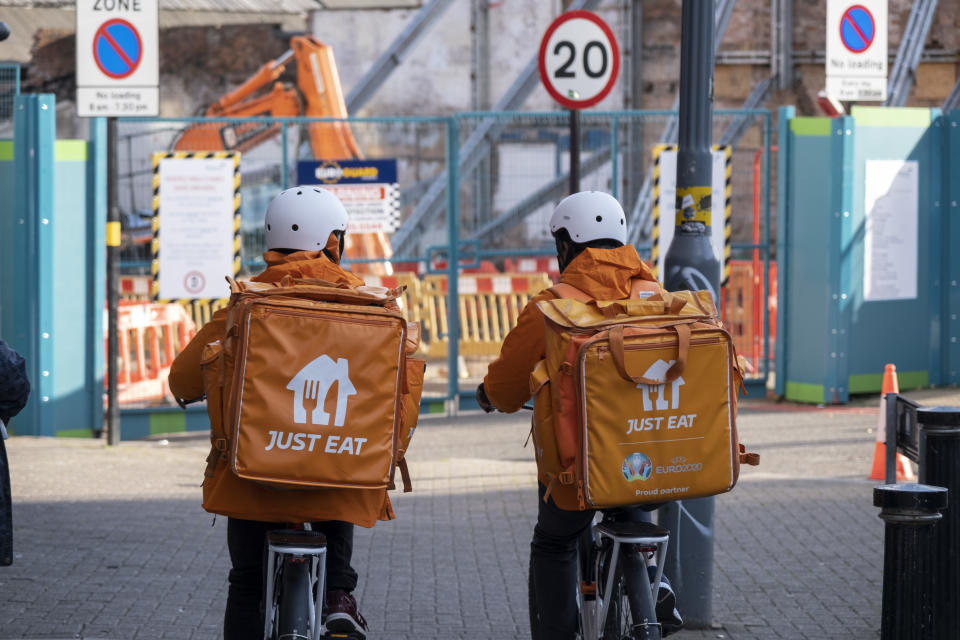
{"x": 579, "y": 59}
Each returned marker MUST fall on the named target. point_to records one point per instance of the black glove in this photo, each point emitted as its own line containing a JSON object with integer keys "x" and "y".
{"x": 484, "y": 401}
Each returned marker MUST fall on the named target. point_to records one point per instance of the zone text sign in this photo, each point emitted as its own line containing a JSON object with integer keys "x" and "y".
{"x": 579, "y": 59}
{"x": 117, "y": 58}
{"x": 856, "y": 53}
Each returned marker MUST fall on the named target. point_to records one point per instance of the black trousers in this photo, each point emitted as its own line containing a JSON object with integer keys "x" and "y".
{"x": 6, "y": 509}
{"x": 553, "y": 565}
{"x": 246, "y": 541}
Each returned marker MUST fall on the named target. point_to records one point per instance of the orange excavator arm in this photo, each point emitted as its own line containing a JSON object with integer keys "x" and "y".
{"x": 319, "y": 95}
{"x": 319, "y": 84}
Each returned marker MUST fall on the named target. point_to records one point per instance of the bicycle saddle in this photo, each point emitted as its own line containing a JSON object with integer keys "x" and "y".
{"x": 632, "y": 529}
{"x": 293, "y": 537}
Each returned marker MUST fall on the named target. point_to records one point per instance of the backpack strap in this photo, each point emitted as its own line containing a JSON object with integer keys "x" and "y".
{"x": 218, "y": 451}
{"x": 752, "y": 459}
{"x": 404, "y": 476}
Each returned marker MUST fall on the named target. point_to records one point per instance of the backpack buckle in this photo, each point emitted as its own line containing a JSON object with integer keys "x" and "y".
{"x": 566, "y": 477}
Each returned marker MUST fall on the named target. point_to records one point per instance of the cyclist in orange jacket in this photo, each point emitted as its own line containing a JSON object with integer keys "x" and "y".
{"x": 590, "y": 231}
{"x": 305, "y": 230}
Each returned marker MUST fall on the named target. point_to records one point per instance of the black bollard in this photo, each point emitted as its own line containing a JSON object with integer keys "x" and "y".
{"x": 909, "y": 511}
{"x": 940, "y": 465}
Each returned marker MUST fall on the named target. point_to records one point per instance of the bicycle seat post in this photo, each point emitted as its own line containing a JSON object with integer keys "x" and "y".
{"x": 289, "y": 542}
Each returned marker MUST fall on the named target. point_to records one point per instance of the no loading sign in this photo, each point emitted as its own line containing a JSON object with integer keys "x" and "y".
{"x": 118, "y": 58}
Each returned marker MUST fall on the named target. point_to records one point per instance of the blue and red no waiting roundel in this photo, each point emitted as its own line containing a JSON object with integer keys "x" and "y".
{"x": 117, "y": 48}
{"x": 857, "y": 28}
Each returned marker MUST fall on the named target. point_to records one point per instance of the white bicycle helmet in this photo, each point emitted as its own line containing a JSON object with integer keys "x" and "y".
{"x": 302, "y": 218}
{"x": 590, "y": 215}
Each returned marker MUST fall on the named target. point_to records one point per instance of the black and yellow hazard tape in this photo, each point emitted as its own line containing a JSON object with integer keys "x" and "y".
{"x": 727, "y": 209}
{"x": 655, "y": 195}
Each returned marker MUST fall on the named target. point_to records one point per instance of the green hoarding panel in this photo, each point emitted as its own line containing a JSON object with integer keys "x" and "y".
{"x": 873, "y": 382}
{"x": 811, "y": 126}
{"x": 803, "y": 392}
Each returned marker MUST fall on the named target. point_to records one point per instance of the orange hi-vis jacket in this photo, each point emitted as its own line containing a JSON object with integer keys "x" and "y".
{"x": 359, "y": 506}
{"x": 604, "y": 274}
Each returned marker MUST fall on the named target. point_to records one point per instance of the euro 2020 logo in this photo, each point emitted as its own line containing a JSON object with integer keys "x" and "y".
{"x": 637, "y": 466}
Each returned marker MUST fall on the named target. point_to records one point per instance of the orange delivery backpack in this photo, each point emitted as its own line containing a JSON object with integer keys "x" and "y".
{"x": 312, "y": 387}
{"x": 636, "y": 400}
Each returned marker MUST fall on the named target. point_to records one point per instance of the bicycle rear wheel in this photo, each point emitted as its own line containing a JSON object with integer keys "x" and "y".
{"x": 619, "y": 620}
{"x": 295, "y": 600}
{"x": 636, "y": 613}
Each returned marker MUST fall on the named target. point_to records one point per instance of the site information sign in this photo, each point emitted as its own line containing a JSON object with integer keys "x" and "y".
{"x": 891, "y": 249}
{"x": 368, "y": 190}
{"x": 856, "y": 55}
{"x": 196, "y": 225}
{"x": 117, "y": 58}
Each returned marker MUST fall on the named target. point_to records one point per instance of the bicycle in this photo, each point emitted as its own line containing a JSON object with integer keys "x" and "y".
{"x": 616, "y": 593}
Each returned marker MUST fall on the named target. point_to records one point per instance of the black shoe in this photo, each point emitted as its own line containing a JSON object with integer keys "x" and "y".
{"x": 667, "y": 614}
{"x": 342, "y": 615}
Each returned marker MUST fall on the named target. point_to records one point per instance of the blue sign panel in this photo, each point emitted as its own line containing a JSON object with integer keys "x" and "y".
{"x": 347, "y": 171}
{"x": 117, "y": 48}
{"x": 857, "y": 29}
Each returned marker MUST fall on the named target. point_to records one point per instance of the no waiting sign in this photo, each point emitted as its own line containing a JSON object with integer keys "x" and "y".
{"x": 579, "y": 59}
{"x": 117, "y": 58}
{"x": 856, "y": 55}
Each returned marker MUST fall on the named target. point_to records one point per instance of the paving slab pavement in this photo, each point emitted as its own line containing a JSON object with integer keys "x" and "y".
{"x": 111, "y": 543}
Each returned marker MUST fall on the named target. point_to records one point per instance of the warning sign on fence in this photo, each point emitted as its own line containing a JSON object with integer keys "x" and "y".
{"x": 368, "y": 190}
{"x": 196, "y": 224}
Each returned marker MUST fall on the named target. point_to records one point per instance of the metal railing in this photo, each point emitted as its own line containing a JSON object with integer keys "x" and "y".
{"x": 9, "y": 89}
{"x": 500, "y": 202}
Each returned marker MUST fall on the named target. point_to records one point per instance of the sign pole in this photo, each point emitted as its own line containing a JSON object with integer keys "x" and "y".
{"x": 574, "y": 150}
{"x": 691, "y": 264}
{"x": 113, "y": 297}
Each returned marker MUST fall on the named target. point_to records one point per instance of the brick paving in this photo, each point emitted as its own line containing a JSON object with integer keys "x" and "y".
{"x": 112, "y": 543}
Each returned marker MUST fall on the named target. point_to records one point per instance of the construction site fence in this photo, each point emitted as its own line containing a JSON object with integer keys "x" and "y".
{"x": 9, "y": 89}
{"x": 487, "y": 309}
{"x": 475, "y": 194}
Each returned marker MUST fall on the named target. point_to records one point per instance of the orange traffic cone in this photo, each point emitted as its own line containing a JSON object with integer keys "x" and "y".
{"x": 879, "y": 471}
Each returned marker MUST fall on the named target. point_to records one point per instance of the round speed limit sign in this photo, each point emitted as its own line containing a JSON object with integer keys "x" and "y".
{"x": 579, "y": 59}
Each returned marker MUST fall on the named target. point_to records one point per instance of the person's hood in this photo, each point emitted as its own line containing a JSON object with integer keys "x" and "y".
{"x": 605, "y": 274}
{"x": 304, "y": 264}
